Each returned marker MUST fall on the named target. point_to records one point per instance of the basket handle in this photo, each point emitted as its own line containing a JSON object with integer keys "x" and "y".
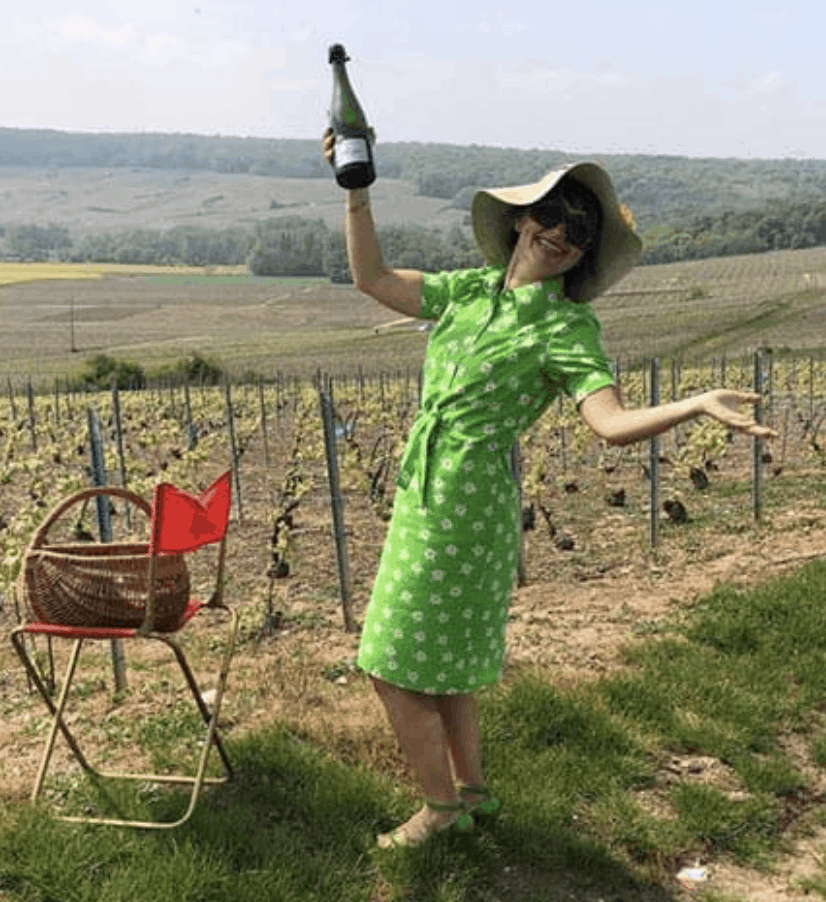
{"x": 40, "y": 535}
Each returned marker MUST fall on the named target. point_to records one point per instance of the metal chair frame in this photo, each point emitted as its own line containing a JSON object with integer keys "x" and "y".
{"x": 83, "y": 634}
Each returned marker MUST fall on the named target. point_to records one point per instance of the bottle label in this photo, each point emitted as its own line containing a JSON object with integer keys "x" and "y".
{"x": 351, "y": 150}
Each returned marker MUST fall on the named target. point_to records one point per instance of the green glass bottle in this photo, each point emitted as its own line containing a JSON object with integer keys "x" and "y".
{"x": 353, "y": 156}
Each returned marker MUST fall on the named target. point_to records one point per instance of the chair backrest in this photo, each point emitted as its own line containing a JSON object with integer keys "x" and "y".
{"x": 181, "y": 522}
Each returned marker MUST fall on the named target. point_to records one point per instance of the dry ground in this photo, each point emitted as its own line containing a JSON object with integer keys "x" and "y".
{"x": 571, "y": 618}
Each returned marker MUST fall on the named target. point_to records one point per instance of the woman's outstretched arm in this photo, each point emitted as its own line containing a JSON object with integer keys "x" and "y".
{"x": 604, "y": 412}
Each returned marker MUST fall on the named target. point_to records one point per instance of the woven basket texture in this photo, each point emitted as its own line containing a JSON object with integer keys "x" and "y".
{"x": 102, "y": 585}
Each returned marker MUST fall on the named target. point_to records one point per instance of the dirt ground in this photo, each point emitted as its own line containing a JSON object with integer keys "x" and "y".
{"x": 294, "y": 662}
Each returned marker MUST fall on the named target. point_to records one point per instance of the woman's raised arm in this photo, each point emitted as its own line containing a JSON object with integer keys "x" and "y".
{"x": 398, "y": 289}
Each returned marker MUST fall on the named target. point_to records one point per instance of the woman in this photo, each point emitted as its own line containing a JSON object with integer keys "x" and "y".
{"x": 509, "y": 338}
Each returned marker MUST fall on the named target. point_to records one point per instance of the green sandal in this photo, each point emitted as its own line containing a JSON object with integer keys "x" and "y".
{"x": 462, "y": 823}
{"x": 487, "y": 806}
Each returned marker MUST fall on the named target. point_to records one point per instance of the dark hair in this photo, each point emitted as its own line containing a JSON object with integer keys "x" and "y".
{"x": 574, "y": 278}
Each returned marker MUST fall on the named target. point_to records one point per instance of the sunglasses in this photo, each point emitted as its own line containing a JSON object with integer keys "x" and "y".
{"x": 581, "y": 220}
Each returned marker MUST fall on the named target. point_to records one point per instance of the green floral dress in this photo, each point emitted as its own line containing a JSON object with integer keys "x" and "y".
{"x": 495, "y": 361}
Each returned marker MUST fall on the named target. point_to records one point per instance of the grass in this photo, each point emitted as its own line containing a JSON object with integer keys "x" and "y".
{"x": 585, "y": 772}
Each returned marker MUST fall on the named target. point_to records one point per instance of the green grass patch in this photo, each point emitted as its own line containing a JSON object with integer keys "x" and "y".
{"x": 589, "y": 800}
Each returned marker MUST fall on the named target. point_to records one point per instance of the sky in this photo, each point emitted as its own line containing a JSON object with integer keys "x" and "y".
{"x": 705, "y": 78}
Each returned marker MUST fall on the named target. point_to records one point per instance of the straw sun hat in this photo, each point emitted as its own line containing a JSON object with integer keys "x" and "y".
{"x": 618, "y": 249}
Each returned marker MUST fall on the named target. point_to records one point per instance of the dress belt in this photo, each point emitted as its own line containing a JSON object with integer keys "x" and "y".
{"x": 416, "y": 455}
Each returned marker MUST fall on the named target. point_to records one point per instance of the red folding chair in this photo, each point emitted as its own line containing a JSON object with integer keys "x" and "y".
{"x": 110, "y": 591}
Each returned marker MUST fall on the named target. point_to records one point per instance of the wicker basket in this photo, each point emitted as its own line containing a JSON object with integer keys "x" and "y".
{"x": 100, "y": 584}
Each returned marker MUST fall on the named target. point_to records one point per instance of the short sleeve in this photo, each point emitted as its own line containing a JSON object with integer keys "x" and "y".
{"x": 436, "y": 290}
{"x": 460, "y": 286}
{"x": 577, "y": 361}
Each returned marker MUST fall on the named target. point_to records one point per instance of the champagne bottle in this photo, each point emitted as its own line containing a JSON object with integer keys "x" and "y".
{"x": 353, "y": 156}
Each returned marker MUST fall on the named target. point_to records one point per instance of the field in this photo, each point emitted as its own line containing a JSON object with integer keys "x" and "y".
{"x": 577, "y": 608}
{"x": 695, "y": 310}
{"x": 93, "y": 201}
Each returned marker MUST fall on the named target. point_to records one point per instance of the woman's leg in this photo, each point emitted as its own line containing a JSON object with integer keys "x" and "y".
{"x": 460, "y": 716}
{"x": 418, "y": 726}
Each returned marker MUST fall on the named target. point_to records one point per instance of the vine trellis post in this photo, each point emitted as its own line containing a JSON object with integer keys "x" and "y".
{"x": 325, "y": 400}
{"x": 654, "y": 459}
{"x": 99, "y": 478}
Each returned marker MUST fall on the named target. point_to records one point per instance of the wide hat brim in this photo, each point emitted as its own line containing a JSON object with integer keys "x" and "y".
{"x": 619, "y": 246}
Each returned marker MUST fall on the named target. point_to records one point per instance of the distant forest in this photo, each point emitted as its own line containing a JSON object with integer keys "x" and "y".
{"x": 685, "y": 208}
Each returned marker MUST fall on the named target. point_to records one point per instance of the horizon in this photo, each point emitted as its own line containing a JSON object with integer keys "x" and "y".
{"x": 233, "y": 136}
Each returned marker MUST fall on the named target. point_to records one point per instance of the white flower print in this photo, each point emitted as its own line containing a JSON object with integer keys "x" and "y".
{"x": 419, "y": 636}
{"x": 447, "y": 464}
{"x": 460, "y": 510}
{"x": 446, "y": 524}
{"x": 451, "y": 550}
{"x": 413, "y": 676}
{"x": 477, "y": 526}
{"x": 389, "y": 650}
{"x": 435, "y": 599}
{"x": 397, "y": 575}
{"x": 391, "y": 664}
{"x": 478, "y": 550}
{"x": 467, "y": 466}
{"x": 466, "y": 569}
{"x": 469, "y": 488}
{"x": 421, "y": 656}
{"x": 417, "y": 568}
{"x": 424, "y": 534}
{"x": 398, "y": 634}
{"x": 441, "y": 640}
{"x": 486, "y": 367}
{"x": 418, "y": 616}
{"x": 467, "y": 613}
{"x": 490, "y": 429}
{"x": 441, "y": 677}
{"x": 438, "y": 575}
{"x": 377, "y": 628}
{"x": 490, "y": 386}
{"x": 406, "y": 595}
{"x": 430, "y": 554}
{"x": 456, "y": 591}
{"x": 443, "y": 618}
{"x": 447, "y": 657}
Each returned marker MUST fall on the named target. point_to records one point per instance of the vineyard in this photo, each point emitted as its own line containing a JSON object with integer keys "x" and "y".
{"x": 586, "y": 505}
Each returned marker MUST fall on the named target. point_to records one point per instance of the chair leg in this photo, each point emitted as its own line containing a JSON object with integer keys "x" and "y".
{"x": 212, "y": 738}
{"x": 18, "y": 640}
{"x": 210, "y": 719}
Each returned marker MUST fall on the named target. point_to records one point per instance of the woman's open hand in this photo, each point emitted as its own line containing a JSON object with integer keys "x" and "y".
{"x": 723, "y": 405}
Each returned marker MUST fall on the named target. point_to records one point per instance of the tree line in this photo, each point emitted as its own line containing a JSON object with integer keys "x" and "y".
{"x": 296, "y": 246}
